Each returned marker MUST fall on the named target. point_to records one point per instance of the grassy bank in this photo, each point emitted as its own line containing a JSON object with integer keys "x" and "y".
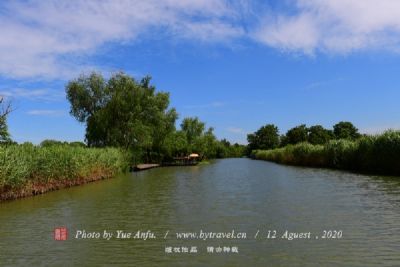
{"x": 27, "y": 170}
{"x": 378, "y": 154}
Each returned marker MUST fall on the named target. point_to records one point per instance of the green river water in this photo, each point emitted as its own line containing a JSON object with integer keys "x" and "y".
{"x": 239, "y": 195}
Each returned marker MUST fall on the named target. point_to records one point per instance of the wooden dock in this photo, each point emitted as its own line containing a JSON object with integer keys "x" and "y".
{"x": 142, "y": 167}
{"x": 167, "y": 164}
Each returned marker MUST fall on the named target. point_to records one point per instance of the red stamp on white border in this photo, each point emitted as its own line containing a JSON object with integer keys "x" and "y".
{"x": 60, "y": 233}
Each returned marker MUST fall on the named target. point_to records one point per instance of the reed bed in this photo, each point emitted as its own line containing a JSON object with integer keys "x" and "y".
{"x": 378, "y": 154}
{"x": 29, "y": 170}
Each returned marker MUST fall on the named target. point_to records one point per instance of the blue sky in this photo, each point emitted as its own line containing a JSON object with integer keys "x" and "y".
{"x": 236, "y": 65}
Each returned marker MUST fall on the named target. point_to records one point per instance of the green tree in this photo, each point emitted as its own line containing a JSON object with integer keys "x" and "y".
{"x": 122, "y": 112}
{"x": 198, "y": 138}
{"x": 193, "y": 128}
{"x": 5, "y": 109}
{"x": 318, "y": 135}
{"x": 50, "y": 142}
{"x": 345, "y": 130}
{"x": 207, "y": 144}
{"x": 297, "y": 134}
{"x": 267, "y": 137}
{"x": 176, "y": 145}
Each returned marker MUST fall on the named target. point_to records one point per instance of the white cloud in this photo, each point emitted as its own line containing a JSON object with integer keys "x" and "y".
{"x": 215, "y": 104}
{"x": 235, "y": 130}
{"x": 323, "y": 84}
{"x": 290, "y": 33}
{"x": 56, "y": 38}
{"x": 52, "y": 39}
{"x": 46, "y": 112}
{"x": 32, "y": 94}
{"x": 334, "y": 26}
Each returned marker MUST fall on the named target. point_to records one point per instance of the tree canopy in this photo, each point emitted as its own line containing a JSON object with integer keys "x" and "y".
{"x": 345, "y": 130}
{"x": 267, "y": 137}
{"x": 297, "y": 134}
{"x": 121, "y": 111}
{"x": 318, "y": 135}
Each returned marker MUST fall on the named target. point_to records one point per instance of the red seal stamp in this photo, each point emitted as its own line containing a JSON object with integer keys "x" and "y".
{"x": 60, "y": 233}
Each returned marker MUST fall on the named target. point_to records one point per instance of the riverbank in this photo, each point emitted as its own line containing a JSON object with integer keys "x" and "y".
{"x": 379, "y": 154}
{"x": 27, "y": 170}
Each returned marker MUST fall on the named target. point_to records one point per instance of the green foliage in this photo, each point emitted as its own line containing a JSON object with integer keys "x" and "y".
{"x": 226, "y": 150}
{"x": 373, "y": 154}
{"x": 27, "y": 163}
{"x": 297, "y": 134}
{"x": 51, "y": 142}
{"x": 195, "y": 138}
{"x": 198, "y": 139}
{"x": 176, "y": 144}
{"x": 318, "y": 135}
{"x": 77, "y": 144}
{"x": 122, "y": 112}
{"x": 340, "y": 153}
{"x": 267, "y": 137}
{"x": 193, "y": 129}
{"x": 345, "y": 130}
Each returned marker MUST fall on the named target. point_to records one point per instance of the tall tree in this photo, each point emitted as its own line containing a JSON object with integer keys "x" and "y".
{"x": 193, "y": 128}
{"x": 267, "y": 137}
{"x": 345, "y": 130}
{"x": 122, "y": 112}
{"x": 319, "y": 135}
{"x": 297, "y": 134}
{"x": 198, "y": 138}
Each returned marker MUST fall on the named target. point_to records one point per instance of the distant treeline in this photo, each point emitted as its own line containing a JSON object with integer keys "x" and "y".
{"x": 268, "y": 137}
{"x": 340, "y": 148}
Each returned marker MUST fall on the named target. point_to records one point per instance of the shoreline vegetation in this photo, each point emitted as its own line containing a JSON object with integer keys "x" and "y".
{"x": 128, "y": 122}
{"x": 28, "y": 170}
{"x": 368, "y": 154}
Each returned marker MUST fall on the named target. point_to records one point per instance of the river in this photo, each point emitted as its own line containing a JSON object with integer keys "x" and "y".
{"x": 228, "y": 196}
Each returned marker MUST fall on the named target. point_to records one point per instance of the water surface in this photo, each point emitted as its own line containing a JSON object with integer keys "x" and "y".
{"x": 231, "y": 194}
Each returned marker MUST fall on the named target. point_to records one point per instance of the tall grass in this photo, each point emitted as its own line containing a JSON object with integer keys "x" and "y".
{"x": 378, "y": 154}
{"x": 26, "y": 168}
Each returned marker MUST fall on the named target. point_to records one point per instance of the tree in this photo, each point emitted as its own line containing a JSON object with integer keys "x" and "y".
{"x": 122, "y": 112}
{"x": 5, "y": 109}
{"x": 318, "y": 135}
{"x": 345, "y": 130}
{"x": 267, "y": 137}
{"x": 176, "y": 145}
{"x": 198, "y": 138}
{"x": 193, "y": 128}
{"x": 50, "y": 142}
{"x": 207, "y": 144}
{"x": 297, "y": 134}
